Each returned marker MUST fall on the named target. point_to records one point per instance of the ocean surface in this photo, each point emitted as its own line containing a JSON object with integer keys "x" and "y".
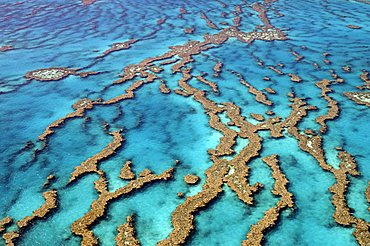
{"x": 159, "y": 128}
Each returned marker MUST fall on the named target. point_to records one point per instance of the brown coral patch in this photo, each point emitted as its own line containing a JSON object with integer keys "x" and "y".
{"x": 91, "y": 164}
{"x": 327, "y": 62}
{"x": 270, "y": 90}
{"x": 295, "y": 78}
{"x": 258, "y": 117}
{"x": 126, "y": 173}
{"x": 276, "y": 126}
{"x": 234, "y": 172}
{"x": 259, "y": 95}
{"x": 191, "y": 179}
{"x": 87, "y": 74}
{"x": 189, "y": 30}
{"x": 51, "y": 202}
{"x": 213, "y": 85}
{"x": 223, "y": 4}
{"x": 49, "y": 205}
{"x": 10, "y": 238}
{"x": 49, "y": 74}
{"x": 130, "y": 93}
{"x": 80, "y": 107}
{"x": 55, "y": 74}
{"x": 313, "y": 146}
{"x": 87, "y": 2}
{"x": 4, "y": 223}
{"x": 333, "y": 111}
{"x": 161, "y": 21}
{"x": 183, "y": 10}
{"x": 261, "y": 9}
{"x": 362, "y": 98}
{"x": 276, "y": 70}
{"x": 256, "y": 234}
{"x": 365, "y": 78}
{"x": 354, "y": 26}
{"x": 164, "y": 88}
{"x": 119, "y": 46}
{"x": 237, "y": 20}
{"x": 208, "y": 21}
{"x": 6, "y": 48}
{"x": 335, "y": 76}
{"x": 49, "y": 180}
{"x": 145, "y": 173}
{"x": 126, "y": 233}
{"x": 183, "y": 216}
{"x": 297, "y": 55}
{"x": 81, "y": 227}
{"x": 347, "y": 69}
{"x": 217, "y": 69}
{"x": 238, "y": 9}
{"x": 342, "y": 214}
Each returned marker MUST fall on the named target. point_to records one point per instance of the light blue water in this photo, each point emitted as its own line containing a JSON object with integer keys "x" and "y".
{"x": 159, "y": 129}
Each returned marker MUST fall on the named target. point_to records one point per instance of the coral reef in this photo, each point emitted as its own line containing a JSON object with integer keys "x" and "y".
{"x": 81, "y": 227}
{"x": 51, "y": 202}
{"x": 6, "y": 48}
{"x": 126, "y": 233}
{"x": 191, "y": 179}
{"x": 91, "y": 164}
{"x": 365, "y": 78}
{"x": 362, "y": 98}
{"x": 256, "y": 234}
{"x": 49, "y": 74}
{"x": 126, "y": 172}
{"x": 333, "y": 111}
{"x": 119, "y": 46}
{"x": 4, "y": 223}
{"x": 229, "y": 166}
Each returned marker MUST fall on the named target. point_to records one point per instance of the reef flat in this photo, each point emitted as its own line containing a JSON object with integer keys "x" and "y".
{"x": 185, "y": 122}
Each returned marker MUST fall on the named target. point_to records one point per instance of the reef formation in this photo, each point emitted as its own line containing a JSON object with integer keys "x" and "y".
{"x": 229, "y": 166}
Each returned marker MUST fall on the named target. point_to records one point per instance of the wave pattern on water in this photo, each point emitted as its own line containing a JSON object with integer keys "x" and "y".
{"x": 196, "y": 122}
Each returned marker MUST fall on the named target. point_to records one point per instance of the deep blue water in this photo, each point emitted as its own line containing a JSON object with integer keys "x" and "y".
{"x": 161, "y": 128}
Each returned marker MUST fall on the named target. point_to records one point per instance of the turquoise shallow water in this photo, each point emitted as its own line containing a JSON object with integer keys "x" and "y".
{"x": 160, "y": 128}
